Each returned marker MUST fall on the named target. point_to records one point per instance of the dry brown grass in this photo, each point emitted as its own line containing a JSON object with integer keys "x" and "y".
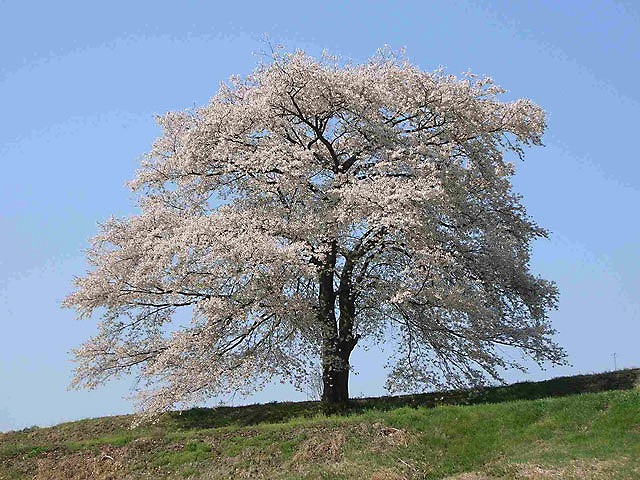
{"x": 582, "y": 469}
{"x": 387, "y": 475}
{"x": 107, "y": 464}
{"x": 390, "y": 435}
{"x": 321, "y": 447}
{"x": 381, "y": 444}
{"x": 585, "y": 469}
{"x": 471, "y": 476}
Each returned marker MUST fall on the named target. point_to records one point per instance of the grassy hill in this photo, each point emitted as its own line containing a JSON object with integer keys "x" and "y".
{"x": 578, "y": 427}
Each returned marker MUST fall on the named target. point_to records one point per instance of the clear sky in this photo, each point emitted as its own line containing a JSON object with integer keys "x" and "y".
{"x": 81, "y": 82}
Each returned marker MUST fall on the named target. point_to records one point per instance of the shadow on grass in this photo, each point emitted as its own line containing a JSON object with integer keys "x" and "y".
{"x": 283, "y": 412}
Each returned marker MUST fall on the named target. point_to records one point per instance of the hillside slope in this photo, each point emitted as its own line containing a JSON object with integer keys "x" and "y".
{"x": 574, "y": 427}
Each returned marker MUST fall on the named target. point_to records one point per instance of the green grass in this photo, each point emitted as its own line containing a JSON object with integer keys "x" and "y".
{"x": 575, "y": 427}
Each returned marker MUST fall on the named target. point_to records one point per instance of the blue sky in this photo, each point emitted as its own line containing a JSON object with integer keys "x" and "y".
{"x": 81, "y": 82}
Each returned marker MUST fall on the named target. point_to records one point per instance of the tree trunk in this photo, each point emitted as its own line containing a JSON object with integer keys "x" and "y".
{"x": 335, "y": 376}
{"x": 335, "y": 386}
{"x": 338, "y": 339}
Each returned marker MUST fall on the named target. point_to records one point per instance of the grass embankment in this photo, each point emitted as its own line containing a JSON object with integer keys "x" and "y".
{"x": 575, "y": 427}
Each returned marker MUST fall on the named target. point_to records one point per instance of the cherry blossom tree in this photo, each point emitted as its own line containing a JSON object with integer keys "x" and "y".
{"x": 312, "y": 207}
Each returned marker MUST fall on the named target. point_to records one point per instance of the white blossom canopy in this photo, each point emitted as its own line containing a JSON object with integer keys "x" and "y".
{"x": 383, "y": 183}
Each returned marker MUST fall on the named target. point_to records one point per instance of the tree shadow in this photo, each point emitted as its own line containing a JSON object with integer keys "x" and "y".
{"x": 277, "y": 412}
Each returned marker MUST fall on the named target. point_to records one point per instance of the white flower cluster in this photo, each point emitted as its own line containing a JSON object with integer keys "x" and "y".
{"x": 312, "y": 206}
